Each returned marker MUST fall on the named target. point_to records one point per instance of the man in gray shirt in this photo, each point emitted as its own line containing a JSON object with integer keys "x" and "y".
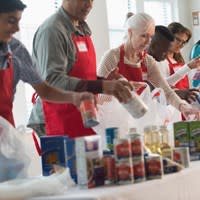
{"x": 65, "y": 56}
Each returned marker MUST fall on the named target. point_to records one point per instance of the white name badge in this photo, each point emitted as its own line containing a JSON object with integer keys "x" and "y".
{"x": 82, "y": 47}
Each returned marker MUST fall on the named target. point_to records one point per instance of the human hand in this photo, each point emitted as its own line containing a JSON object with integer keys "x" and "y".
{"x": 189, "y": 113}
{"x": 114, "y": 75}
{"x": 118, "y": 88}
{"x": 194, "y": 63}
{"x": 190, "y": 95}
{"x": 137, "y": 85}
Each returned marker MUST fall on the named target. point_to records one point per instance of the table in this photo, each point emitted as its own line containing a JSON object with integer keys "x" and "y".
{"x": 183, "y": 185}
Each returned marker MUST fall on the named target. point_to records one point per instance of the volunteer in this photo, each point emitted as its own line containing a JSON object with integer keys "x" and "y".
{"x": 65, "y": 57}
{"x": 158, "y": 48}
{"x": 16, "y": 64}
{"x": 176, "y": 63}
{"x": 132, "y": 61}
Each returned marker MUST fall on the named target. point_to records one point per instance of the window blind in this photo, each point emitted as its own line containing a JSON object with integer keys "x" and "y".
{"x": 160, "y": 10}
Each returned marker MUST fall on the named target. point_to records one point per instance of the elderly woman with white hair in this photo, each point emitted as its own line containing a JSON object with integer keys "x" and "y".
{"x": 131, "y": 61}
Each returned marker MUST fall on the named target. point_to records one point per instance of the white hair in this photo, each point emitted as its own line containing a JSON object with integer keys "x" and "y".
{"x": 139, "y": 21}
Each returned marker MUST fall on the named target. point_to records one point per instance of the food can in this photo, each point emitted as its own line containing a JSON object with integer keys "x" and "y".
{"x": 109, "y": 166}
{"x": 139, "y": 170}
{"x": 88, "y": 113}
{"x": 124, "y": 172}
{"x": 181, "y": 156}
{"x": 122, "y": 149}
{"x": 135, "y": 106}
{"x": 154, "y": 167}
{"x": 111, "y": 134}
{"x": 136, "y": 145}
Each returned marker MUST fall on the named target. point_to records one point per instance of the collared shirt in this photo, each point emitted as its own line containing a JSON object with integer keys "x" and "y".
{"x": 24, "y": 68}
{"x": 54, "y": 53}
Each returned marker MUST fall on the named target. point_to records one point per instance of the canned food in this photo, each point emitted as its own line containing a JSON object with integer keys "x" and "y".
{"x": 139, "y": 170}
{"x": 136, "y": 107}
{"x": 124, "y": 172}
{"x": 136, "y": 145}
{"x": 122, "y": 149}
{"x": 154, "y": 167}
{"x": 88, "y": 113}
{"x": 111, "y": 134}
{"x": 109, "y": 166}
{"x": 181, "y": 155}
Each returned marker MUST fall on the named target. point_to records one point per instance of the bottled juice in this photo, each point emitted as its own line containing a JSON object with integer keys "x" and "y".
{"x": 166, "y": 150}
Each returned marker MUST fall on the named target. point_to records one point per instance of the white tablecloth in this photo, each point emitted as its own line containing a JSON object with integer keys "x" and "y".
{"x": 184, "y": 185}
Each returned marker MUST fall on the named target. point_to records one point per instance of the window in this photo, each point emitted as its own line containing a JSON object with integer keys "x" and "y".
{"x": 161, "y": 8}
{"x": 35, "y": 13}
{"x": 117, "y": 17}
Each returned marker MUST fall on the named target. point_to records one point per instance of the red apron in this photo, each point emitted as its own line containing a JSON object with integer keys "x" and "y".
{"x": 65, "y": 119}
{"x": 6, "y": 88}
{"x": 133, "y": 73}
{"x": 184, "y": 82}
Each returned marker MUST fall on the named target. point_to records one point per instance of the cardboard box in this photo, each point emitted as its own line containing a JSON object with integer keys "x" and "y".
{"x": 181, "y": 134}
{"x": 58, "y": 150}
{"x": 194, "y": 130}
{"x": 90, "y": 169}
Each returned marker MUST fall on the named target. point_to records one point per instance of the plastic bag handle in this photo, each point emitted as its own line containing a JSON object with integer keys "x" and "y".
{"x": 37, "y": 146}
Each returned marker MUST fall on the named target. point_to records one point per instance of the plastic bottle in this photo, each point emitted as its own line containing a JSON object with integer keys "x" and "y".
{"x": 166, "y": 150}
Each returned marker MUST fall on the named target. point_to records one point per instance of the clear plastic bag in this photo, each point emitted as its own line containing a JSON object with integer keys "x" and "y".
{"x": 21, "y": 189}
{"x": 14, "y": 160}
{"x": 111, "y": 113}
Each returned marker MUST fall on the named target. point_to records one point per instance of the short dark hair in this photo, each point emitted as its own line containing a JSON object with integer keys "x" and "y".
{"x": 11, "y": 5}
{"x": 164, "y": 31}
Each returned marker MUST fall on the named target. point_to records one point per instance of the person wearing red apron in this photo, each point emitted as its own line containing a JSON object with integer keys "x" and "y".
{"x": 6, "y": 88}
{"x": 184, "y": 82}
{"x": 65, "y": 119}
{"x": 133, "y": 73}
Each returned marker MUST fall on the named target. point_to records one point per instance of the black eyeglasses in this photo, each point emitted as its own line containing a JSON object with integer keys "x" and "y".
{"x": 179, "y": 41}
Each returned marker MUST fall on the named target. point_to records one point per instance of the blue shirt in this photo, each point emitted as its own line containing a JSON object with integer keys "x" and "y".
{"x": 23, "y": 66}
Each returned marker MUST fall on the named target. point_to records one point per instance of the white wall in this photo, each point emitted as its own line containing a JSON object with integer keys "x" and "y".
{"x": 185, "y": 18}
{"x": 97, "y": 21}
{"x": 195, "y": 6}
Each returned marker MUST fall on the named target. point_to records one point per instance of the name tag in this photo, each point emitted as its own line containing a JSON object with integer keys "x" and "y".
{"x": 82, "y": 47}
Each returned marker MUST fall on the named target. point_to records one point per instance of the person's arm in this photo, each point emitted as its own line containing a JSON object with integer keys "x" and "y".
{"x": 54, "y": 55}
{"x": 107, "y": 67}
{"x": 155, "y": 77}
{"x": 52, "y": 94}
{"x": 180, "y": 73}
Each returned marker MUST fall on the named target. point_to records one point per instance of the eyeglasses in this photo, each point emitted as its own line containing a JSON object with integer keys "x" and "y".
{"x": 180, "y": 42}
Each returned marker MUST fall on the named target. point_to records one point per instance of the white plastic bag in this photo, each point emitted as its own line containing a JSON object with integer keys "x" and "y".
{"x": 21, "y": 189}
{"x": 111, "y": 113}
{"x": 14, "y": 160}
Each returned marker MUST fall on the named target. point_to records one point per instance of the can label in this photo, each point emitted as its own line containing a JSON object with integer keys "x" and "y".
{"x": 111, "y": 134}
{"x": 124, "y": 172}
{"x": 154, "y": 168}
{"x": 139, "y": 170}
{"x": 109, "y": 165}
{"x": 181, "y": 156}
{"x": 88, "y": 113}
{"x": 122, "y": 148}
{"x": 136, "y": 107}
{"x": 136, "y": 146}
